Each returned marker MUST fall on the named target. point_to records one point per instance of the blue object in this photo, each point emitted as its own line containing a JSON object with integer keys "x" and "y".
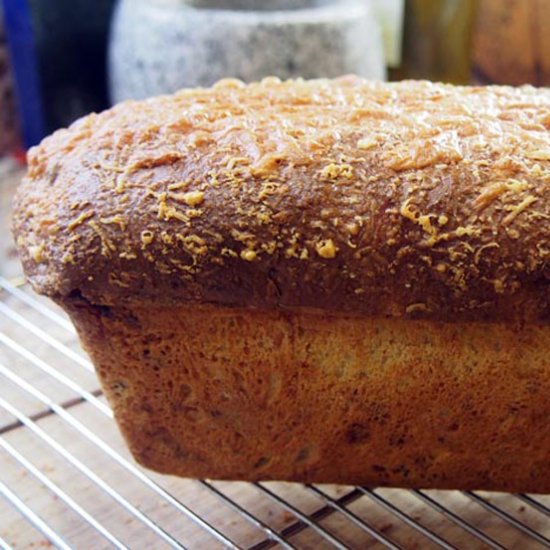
{"x": 22, "y": 48}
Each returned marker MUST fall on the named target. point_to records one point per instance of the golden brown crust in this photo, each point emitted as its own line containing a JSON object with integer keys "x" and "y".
{"x": 237, "y": 394}
{"x": 405, "y": 199}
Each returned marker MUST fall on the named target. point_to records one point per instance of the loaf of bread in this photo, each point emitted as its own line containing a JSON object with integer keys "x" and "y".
{"x": 323, "y": 281}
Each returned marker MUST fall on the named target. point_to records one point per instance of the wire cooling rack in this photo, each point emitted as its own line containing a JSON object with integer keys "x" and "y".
{"x": 67, "y": 479}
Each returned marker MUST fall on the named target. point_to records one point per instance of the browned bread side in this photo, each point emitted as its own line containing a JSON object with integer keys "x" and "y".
{"x": 406, "y": 199}
{"x": 239, "y": 394}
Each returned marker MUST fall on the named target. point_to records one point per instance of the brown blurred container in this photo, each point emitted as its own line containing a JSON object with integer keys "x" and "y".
{"x": 512, "y": 42}
{"x": 437, "y": 41}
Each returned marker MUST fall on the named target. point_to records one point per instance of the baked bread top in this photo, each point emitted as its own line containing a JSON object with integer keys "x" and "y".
{"x": 403, "y": 199}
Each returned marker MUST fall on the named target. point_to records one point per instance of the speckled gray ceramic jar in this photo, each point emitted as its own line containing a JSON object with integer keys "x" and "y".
{"x": 159, "y": 46}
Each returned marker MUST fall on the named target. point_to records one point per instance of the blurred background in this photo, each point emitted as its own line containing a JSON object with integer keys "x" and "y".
{"x": 61, "y": 59}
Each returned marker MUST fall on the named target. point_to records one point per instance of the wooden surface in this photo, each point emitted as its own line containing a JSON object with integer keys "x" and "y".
{"x": 16, "y": 341}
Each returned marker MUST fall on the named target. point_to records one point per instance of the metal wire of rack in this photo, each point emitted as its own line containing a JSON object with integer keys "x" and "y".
{"x": 66, "y": 477}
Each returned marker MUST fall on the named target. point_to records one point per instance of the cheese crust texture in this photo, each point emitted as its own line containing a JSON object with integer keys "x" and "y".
{"x": 326, "y": 281}
{"x": 380, "y": 199}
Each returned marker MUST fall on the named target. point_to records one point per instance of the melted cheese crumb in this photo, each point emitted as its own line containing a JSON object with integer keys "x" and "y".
{"x": 422, "y": 220}
{"x": 192, "y": 198}
{"x": 326, "y": 249}
{"x": 367, "y": 143}
{"x": 413, "y": 308}
{"x": 539, "y": 154}
{"x": 518, "y": 209}
{"x": 147, "y": 237}
{"x": 333, "y": 171}
{"x": 37, "y": 253}
{"x": 178, "y": 185}
{"x": 496, "y": 189}
{"x": 80, "y": 219}
{"x": 248, "y": 255}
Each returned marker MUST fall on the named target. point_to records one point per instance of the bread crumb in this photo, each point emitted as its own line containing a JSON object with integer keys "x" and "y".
{"x": 194, "y": 244}
{"x": 147, "y": 237}
{"x": 228, "y": 83}
{"x": 333, "y": 171}
{"x": 539, "y": 154}
{"x": 466, "y": 231}
{"x": 496, "y": 189}
{"x": 498, "y": 286}
{"x": 353, "y": 228}
{"x": 326, "y": 249}
{"x": 106, "y": 245}
{"x": 367, "y": 143}
{"x": 80, "y": 219}
{"x": 37, "y": 253}
{"x": 248, "y": 255}
{"x": 269, "y": 247}
{"x": 193, "y": 198}
{"x": 166, "y": 238}
{"x": 116, "y": 219}
{"x": 537, "y": 170}
{"x": 233, "y": 161}
{"x": 410, "y": 212}
{"x": 68, "y": 258}
{"x": 268, "y": 188}
{"x": 413, "y": 308}
{"x": 178, "y": 185}
{"x": 518, "y": 209}
{"x": 228, "y": 252}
